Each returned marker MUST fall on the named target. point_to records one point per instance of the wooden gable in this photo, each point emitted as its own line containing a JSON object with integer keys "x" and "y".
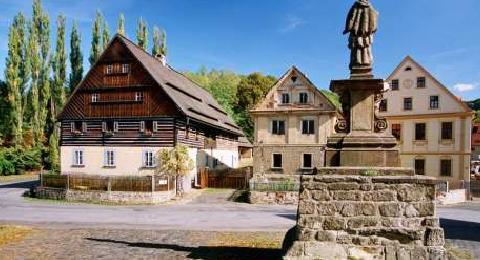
{"x": 116, "y": 79}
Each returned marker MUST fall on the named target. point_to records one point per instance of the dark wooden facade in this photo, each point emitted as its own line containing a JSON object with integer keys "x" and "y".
{"x": 119, "y": 103}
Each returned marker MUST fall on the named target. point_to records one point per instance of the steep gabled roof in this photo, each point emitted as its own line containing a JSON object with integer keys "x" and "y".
{"x": 285, "y": 77}
{"x": 191, "y": 99}
{"x": 428, "y": 74}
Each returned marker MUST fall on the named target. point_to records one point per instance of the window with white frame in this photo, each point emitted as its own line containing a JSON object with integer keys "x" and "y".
{"x": 307, "y": 161}
{"x": 139, "y": 96}
{"x": 278, "y": 127}
{"x": 277, "y": 161}
{"x": 142, "y": 127}
{"x": 95, "y": 97}
{"x": 115, "y": 126}
{"x": 285, "y": 98}
{"x": 308, "y": 127}
{"x": 78, "y": 158}
{"x": 126, "y": 68}
{"x": 303, "y": 98}
{"x": 149, "y": 158}
{"x": 109, "y": 69}
{"x": 109, "y": 158}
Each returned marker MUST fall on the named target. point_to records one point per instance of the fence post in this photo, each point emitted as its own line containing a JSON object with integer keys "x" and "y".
{"x": 41, "y": 179}
{"x": 68, "y": 181}
{"x": 109, "y": 184}
{"x": 153, "y": 182}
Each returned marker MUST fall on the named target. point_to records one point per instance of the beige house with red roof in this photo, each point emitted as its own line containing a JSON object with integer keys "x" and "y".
{"x": 432, "y": 125}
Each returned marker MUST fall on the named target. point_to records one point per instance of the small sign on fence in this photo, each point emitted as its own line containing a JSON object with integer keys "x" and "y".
{"x": 162, "y": 182}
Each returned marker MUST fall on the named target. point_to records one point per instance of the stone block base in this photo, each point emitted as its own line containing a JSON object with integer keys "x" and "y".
{"x": 302, "y": 250}
{"x": 362, "y": 157}
{"x": 371, "y": 213}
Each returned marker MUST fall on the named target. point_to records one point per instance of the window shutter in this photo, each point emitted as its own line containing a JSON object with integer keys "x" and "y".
{"x": 144, "y": 158}
{"x": 115, "y": 126}
{"x": 281, "y": 127}
{"x": 105, "y": 157}
{"x": 142, "y": 126}
{"x": 104, "y": 127}
{"x": 84, "y": 127}
{"x": 154, "y": 126}
{"x": 74, "y": 161}
{"x": 72, "y": 127}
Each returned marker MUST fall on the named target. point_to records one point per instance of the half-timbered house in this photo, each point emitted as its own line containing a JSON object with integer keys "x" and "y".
{"x": 131, "y": 104}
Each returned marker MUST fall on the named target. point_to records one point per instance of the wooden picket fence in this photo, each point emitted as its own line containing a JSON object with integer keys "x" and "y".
{"x": 225, "y": 178}
{"x": 108, "y": 183}
{"x": 475, "y": 188}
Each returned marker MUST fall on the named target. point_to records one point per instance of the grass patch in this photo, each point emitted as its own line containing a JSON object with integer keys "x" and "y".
{"x": 248, "y": 240}
{"x": 17, "y": 178}
{"x": 455, "y": 253}
{"x": 10, "y": 234}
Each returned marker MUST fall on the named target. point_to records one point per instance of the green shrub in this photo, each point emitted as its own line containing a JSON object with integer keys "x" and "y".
{"x": 16, "y": 160}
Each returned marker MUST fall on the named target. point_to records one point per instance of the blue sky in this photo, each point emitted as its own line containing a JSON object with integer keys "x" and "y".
{"x": 271, "y": 35}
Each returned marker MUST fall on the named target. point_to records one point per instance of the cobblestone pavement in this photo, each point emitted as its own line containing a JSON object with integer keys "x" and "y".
{"x": 143, "y": 244}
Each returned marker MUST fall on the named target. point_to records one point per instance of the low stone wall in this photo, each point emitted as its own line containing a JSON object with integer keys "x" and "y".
{"x": 274, "y": 189}
{"x": 361, "y": 217}
{"x": 105, "y": 196}
{"x": 50, "y": 193}
{"x": 452, "y": 197}
{"x": 273, "y": 197}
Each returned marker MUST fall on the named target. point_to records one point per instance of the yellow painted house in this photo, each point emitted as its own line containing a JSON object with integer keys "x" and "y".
{"x": 432, "y": 125}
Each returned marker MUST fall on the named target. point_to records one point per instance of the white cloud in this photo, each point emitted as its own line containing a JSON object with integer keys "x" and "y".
{"x": 464, "y": 87}
{"x": 293, "y": 22}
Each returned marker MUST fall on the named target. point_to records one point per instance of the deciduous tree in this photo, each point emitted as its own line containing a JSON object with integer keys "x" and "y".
{"x": 175, "y": 162}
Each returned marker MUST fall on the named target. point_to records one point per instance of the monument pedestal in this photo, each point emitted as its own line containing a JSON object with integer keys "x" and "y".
{"x": 366, "y": 213}
{"x": 361, "y": 139}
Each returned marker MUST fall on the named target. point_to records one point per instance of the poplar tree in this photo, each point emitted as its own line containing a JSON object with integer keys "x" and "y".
{"x": 45, "y": 91}
{"x": 105, "y": 35}
{"x": 76, "y": 58}
{"x": 159, "y": 42}
{"x": 53, "y": 154}
{"x": 15, "y": 72}
{"x": 121, "y": 25}
{"x": 35, "y": 67}
{"x": 97, "y": 45}
{"x": 142, "y": 34}
{"x": 59, "y": 65}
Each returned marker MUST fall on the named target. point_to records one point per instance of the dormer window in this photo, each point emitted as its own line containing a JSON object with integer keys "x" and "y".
{"x": 109, "y": 69}
{"x": 285, "y": 98}
{"x": 126, "y": 68}
{"x": 77, "y": 127}
{"x": 95, "y": 97}
{"x": 139, "y": 96}
{"x": 303, "y": 98}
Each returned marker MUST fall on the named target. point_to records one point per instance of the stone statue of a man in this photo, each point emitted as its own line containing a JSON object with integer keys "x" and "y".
{"x": 361, "y": 25}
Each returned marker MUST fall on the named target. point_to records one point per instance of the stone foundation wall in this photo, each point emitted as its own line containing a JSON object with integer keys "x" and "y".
{"x": 361, "y": 217}
{"x": 105, "y": 196}
{"x": 292, "y": 158}
{"x": 274, "y": 189}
